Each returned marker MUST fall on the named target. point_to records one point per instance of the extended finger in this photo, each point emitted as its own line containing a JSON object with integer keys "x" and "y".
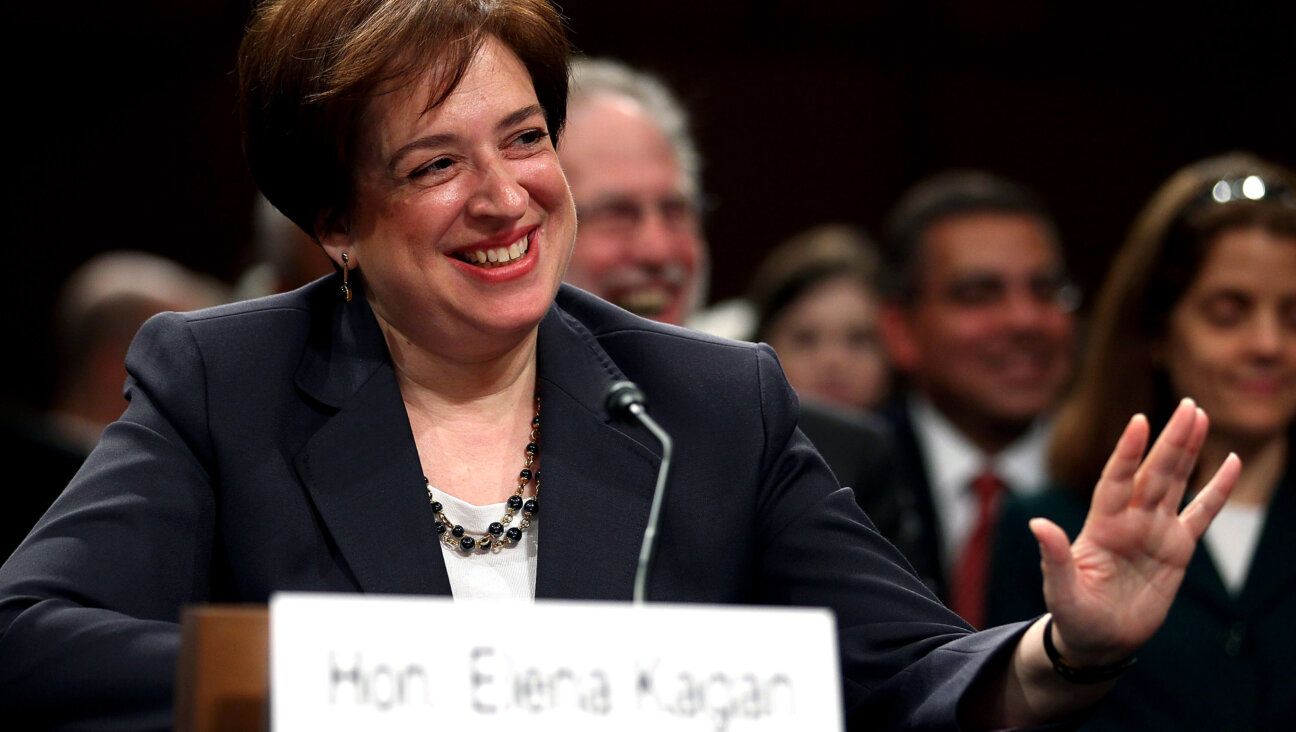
{"x": 1207, "y": 504}
{"x": 1056, "y": 562}
{"x": 1157, "y": 474}
{"x": 1117, "y": 482}
{"x": 1183, "y": 471}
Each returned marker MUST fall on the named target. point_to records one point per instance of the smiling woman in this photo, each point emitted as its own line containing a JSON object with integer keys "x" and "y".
{"x": 384, "y": 429}
{"x": 460, "y": 222}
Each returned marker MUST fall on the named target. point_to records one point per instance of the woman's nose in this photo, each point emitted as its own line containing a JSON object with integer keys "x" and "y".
{"x": 1267, "y": 336}
{"x": 499, "y": 194}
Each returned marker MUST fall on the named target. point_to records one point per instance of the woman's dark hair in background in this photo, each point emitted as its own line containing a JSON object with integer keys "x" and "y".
{"x": 814, "y": 256}
{"x": 1167, "y": 244}
{"x": 307, "y": 70}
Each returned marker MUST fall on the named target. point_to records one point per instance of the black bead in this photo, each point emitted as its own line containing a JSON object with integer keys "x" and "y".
{"x": 440, "y": 527}
{"x": 515, "y": 502}
{"x": 484, "y": 543}
{"x": 535, "y": 421}
{"x": 496, "y": 529}
{"x": 514, "y": 534}
{"x": 532, "y": 507}
{"x": 531, "y": 448}
{"x": 526, "y": 474}
{"x": 467, "y": 543}
{"x": 436, "y": 507}
{"x": 457, "y": 531}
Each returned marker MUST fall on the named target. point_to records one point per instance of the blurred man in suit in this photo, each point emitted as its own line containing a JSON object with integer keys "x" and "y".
{"x": 978, "y": 321}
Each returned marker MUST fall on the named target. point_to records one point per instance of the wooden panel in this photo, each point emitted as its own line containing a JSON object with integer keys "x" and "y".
{"x": 223, "y": 677}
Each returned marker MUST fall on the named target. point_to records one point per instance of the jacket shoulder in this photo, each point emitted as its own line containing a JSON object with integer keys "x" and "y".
{"x": 611, "y": 324}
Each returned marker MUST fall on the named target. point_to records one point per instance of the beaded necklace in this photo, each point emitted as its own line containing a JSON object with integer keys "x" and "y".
{"x": 497, "y": 535}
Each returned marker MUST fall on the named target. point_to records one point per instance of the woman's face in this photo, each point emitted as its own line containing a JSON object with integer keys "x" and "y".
{"x": 461, "y": 222}
{"x": 1232, "y": 338}
{"x": 827, "y": 342}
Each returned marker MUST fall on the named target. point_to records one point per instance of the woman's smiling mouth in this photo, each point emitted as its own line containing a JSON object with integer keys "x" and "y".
{"x": 489, "y": 257}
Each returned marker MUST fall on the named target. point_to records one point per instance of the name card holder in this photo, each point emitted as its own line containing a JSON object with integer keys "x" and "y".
{"x": 345, "y": 662}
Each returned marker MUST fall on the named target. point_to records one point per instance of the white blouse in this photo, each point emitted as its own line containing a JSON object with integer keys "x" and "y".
{"x": 1231, "y": 541}
{"x": 498, "y": 574}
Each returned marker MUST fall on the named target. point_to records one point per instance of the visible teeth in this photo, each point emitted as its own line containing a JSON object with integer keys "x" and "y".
{"x": 497, "y": 256}
{"x": 646, "y": 302}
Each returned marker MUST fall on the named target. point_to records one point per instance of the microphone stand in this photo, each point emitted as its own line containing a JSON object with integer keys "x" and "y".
{"x": 625, "y": 400}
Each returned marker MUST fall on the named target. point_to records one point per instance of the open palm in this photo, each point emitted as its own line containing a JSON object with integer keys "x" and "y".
{"x": 1110, "y": 590}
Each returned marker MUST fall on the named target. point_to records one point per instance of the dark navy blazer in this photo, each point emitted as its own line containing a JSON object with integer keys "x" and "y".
{"x": 266, "y": 447}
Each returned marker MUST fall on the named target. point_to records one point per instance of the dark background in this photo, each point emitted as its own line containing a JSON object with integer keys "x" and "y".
{"x": 123, "y": 130}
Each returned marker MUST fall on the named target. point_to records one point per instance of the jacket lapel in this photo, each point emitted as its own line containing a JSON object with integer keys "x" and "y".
{"x": 597, "y": 475}
{"x": 1202, "y": 581}
{"x": 1273, "y": 573}
{"x": 361, "y": 468}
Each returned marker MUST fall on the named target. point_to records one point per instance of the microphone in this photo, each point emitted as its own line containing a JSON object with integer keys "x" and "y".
{"x": 625, "y": 401}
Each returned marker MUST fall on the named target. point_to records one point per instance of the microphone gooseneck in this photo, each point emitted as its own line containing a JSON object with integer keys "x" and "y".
{"x": 625, "y": 401}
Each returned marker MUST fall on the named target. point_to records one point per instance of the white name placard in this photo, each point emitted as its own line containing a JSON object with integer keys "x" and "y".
{"x": 348, "y": 662}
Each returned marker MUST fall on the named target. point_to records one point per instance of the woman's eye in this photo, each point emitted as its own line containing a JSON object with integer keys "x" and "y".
{"x": 434, "y": 166}
{"x": 1224, "y": 309}
{"x": 531, "y": 137}
{"x": 1287, "y": 313}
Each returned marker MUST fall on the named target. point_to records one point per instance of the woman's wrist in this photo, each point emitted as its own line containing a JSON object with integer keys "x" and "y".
{"x": 1080, "y": 672}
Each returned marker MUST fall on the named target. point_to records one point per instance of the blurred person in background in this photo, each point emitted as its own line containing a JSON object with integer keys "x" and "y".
{"x": 978, "y": 321}
{"x": 287, "y": 257}
{"x": 99, "y": 308}
{"x": 634, "y": 171}
{"x": 1200, "y": 302}
{"x": 816, "y": 300}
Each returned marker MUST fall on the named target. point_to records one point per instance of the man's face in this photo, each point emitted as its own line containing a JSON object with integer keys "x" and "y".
{"x": 988, "y": 337}
{"x": 639, "y": 243}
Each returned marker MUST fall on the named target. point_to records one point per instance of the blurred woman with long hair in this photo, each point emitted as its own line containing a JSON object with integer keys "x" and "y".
{"x": 1201, "y": 303}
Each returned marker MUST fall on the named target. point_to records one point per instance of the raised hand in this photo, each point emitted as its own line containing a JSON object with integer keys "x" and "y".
{"x": 1110, "y": 590}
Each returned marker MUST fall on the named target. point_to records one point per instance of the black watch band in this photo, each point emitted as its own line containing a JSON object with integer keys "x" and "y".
{"x": 1080, "y": 674}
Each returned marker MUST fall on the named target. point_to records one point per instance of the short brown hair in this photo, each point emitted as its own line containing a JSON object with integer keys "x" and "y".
{"x": 1161, "y": 258}
{"x": 308, "y": 68}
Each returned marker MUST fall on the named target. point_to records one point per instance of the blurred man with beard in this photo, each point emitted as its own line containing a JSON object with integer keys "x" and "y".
{"x": 978, "y": 322}
{"x": 633, "y": 170}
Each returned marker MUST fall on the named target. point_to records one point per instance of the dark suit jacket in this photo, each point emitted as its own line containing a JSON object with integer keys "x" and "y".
{"x": 904, "y": 512}
{"x": 857, "y": 446}
{"x": 861, "y": 451}
{"x": 266, "y": 447}
{"x": 1220, "y": 662}
{"x": 42, "y": 462}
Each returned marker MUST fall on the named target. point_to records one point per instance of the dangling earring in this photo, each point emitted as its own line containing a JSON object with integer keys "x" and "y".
{"x": 346, "y": 270}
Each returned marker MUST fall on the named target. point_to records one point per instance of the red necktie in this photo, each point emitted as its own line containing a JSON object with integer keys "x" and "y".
{"x": 968, "y": 588}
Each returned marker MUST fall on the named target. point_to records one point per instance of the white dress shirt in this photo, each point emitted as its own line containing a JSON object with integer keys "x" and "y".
{"x": 951, "y": 461}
